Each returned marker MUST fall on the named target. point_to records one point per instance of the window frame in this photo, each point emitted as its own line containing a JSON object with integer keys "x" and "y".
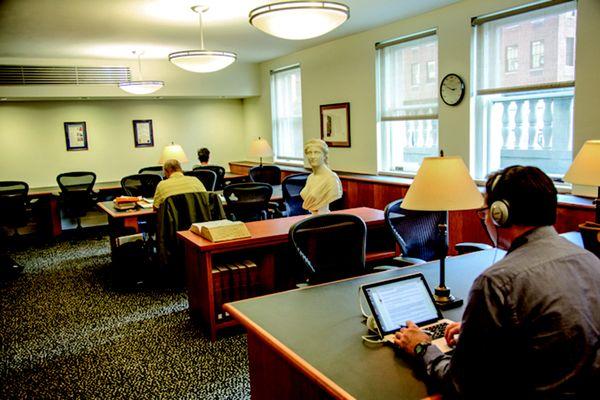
{"x": 285, "y": 158}
{"x": 429, "y": 118}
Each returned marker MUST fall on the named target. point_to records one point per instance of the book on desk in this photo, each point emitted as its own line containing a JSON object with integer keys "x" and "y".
{"x": 221, "y": 230}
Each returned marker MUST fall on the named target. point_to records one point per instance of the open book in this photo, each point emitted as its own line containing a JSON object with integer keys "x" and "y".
{"x": 221, "y": 230}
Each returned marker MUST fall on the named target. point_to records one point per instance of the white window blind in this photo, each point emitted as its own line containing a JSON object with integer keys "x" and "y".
{"x": 286, "y": 109}
{"x": 407, "y": 92}
{"x": 524, "y": 99}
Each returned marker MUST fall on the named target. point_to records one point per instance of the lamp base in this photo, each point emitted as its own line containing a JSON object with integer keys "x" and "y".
{"x": 444, "y": 300}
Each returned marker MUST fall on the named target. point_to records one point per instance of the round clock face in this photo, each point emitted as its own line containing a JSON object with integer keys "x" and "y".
{"x": 452, "y": 89}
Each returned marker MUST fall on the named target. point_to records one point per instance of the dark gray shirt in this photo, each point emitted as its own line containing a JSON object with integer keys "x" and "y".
{"x": 531, "y": 327}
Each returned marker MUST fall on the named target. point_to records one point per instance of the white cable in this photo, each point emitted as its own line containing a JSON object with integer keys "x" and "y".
{"x": 360, "y": 305}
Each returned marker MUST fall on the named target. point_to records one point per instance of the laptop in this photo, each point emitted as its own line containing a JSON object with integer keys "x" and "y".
{"x": 407, "y": 298}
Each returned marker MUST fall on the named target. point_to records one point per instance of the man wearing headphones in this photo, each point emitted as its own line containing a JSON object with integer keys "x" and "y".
{"x": 531, "y": 328}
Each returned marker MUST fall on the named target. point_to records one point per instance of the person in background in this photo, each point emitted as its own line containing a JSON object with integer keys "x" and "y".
{"x": 175, "y": 183}
{"x": 531, "y": 328}
{"x": 203, "y": 156}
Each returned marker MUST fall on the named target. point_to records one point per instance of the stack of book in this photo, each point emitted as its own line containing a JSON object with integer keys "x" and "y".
{"x": 122, "y": 203}
{"x": 234, "y": 281}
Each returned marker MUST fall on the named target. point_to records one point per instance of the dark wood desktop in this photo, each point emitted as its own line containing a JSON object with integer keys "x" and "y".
{"x": 306, "y": 343}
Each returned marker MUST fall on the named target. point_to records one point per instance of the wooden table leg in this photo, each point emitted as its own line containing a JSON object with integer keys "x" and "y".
{"x": 54, "y": 216}
{"x": 199, "y": 283}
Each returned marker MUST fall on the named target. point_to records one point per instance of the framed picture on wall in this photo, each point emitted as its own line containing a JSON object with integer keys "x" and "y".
{"x": 76, "y": 135}
{"x": 142, "y": 133}
{"x": 335, "y": 124}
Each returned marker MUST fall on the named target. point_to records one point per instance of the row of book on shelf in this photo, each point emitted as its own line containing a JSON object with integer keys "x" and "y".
{"x": 234, "y": 281}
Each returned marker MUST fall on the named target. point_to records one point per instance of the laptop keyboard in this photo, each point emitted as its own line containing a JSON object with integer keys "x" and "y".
{"x": 437, "y": 330}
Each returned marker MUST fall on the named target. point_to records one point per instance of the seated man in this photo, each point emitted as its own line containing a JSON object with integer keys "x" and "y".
{"x": 203, "y": 156}
{"x": 175, "y": 183}
{"x": 532, "y": 322}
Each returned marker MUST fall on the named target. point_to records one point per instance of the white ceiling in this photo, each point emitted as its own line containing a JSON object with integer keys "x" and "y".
{"x": 113, "y": 28}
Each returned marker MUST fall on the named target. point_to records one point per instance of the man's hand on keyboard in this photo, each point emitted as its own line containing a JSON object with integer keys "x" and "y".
{"x": 407, "y": 338}
{"x": 452, "y": 332}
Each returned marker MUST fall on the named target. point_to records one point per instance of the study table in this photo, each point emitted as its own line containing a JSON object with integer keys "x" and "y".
{"x": 268, "y": 248}
{"x": 306, "y": 343}
{"x": 50, "y": 194}
{"x": 120, "y": 221}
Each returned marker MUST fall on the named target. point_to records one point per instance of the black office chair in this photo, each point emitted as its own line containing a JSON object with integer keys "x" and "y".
{"x": 220, "y": 171}
{"x": 140, "y": 185}
{"x": 270, "y": 174}
{"x": 76, "y": 193}
{"x": 155, "y": 170}
{"x": 206, "y": 176}
{"x": 14, "y": 204}
{"x": 330, "y": 246}
{"x": 417, "y": 234}
{"x": 291, "y": 187}
{"x": 248, "y": 201}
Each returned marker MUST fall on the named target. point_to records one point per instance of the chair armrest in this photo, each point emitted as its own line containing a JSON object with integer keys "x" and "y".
{"x": 470, "y": 247}
{"x": 274, "y": 210}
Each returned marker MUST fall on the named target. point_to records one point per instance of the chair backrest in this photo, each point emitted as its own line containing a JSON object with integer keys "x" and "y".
{"x": 76, "y": 191}
{"x": 177, "y": 213}
{"x": 206, "y": 176}
{"x": 217, "y": 169}
{"x": 415, "y": 231}
{"x": 154, "y": 170}
{"x": 331, "y": 246}
{"x": 76, "y": 183}
{"x": 13, "y": 203}
{"x": 140, "y": 184}
{"x": 291, "y": 187}
{"x": 270, "y": 174}
{"x": 248, "y": 201}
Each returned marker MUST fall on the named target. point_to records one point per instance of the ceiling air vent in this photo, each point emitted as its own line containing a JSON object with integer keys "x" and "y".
{"x": 49, "y": 75}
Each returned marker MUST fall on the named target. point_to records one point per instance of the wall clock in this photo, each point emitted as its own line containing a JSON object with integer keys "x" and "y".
{"x": 452, "y": 89}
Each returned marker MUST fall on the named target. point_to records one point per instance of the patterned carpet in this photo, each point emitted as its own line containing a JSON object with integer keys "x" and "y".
{"x": 66, "y": 332}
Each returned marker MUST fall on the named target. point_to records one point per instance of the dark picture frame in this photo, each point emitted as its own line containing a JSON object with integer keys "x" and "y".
{"x": 143, "y": 133}
{"x": 335, "y": 124}
{"x": 76, "y": 136}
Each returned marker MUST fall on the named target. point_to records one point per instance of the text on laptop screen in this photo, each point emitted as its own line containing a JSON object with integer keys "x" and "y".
{"x": 401, "y": 301}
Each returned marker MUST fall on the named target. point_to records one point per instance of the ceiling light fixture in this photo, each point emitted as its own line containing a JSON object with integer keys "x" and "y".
{"x": 297, "y": 20}
{"x": 202, "y": 60}
{"x": 141, "y": 86}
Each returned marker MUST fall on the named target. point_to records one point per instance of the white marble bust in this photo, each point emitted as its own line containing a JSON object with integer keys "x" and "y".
{"x": 322, "y": 186}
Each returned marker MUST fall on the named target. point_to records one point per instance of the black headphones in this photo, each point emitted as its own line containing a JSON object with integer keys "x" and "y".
{"x": 500, "y": 209}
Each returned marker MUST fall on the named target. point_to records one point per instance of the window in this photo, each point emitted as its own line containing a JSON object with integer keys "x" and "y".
{"x": 431, "y": 72}
{"x": 570, "y": 52}
{"x": 525, "y": 117}
{"x": 537, "y": 54}
{"x": 415, "y": 74}
{"x": 286, "y": 110}
{"x": 407, "y": 108}
{"x": 512, "y": 58}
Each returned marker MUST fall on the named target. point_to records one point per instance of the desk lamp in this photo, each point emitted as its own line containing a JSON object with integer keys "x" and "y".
{"x": 585, "y": 170}
{"x": 173, "y": 152}
{"x": 260, "y": 148}
{"x": 443, "y": 184}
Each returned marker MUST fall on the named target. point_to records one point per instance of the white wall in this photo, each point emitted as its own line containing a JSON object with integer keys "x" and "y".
{"x": 32, "y": 138}
{"x": 344, "y": 71}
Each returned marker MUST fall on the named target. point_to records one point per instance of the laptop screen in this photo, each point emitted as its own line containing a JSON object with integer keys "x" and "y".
{"x": 396, "y": 301}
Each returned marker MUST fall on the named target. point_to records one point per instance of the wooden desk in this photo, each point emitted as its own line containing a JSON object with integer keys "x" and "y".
{"x": 50, "y": 194}
{"x": 363, "y": 190}
{"x": 306, "y": 343}
{"x": 120, "y": 221}
{"x": 268, "y": 248}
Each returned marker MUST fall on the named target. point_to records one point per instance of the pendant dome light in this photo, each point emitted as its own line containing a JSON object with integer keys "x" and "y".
{"x": 141, "y": 86}
{"x": 297, "y": 20}
{"x": 202, "y": 60}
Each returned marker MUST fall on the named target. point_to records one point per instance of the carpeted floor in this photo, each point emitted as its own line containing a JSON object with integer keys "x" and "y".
{"x": 65, "y": 332}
